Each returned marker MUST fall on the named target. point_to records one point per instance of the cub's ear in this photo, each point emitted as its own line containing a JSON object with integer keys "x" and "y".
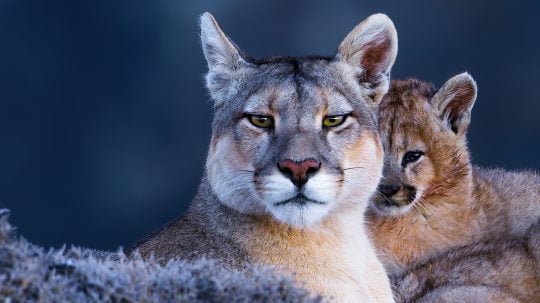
{"x": 371, "y": 49}
{"x": 455, "y": 100}
{"x": 220, "y": 52}
{"x": 224, "y": 60}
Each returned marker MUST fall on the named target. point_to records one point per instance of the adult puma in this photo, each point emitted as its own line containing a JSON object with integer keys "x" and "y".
{"x": 294, "y": 158}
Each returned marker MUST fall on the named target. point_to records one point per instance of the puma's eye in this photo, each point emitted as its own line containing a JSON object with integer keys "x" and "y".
{"x": 261, "y": 121}
{"x": 333, "y": 121}
{"x": 411, "y": 157}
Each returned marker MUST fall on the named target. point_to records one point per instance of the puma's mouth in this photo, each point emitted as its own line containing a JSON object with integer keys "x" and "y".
{"x": 299, "y": 199}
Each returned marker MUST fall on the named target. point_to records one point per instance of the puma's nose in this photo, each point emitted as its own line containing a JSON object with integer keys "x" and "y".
{"x": 389, "y": 189}
{"x": 299, "y": 171}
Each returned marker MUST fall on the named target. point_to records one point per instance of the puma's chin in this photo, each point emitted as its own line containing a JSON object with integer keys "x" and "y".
{"x": 299, "y": 211}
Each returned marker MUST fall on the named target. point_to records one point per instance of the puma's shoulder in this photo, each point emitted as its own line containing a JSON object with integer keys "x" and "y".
{"x": 188, "y": 238}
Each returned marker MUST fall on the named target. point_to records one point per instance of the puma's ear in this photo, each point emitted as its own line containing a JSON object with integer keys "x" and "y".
{"x": 225, "y": 64}
{"x": 371, "y": 48}
{"x": 454, "y": 102}
{"x": 220, "y": 52}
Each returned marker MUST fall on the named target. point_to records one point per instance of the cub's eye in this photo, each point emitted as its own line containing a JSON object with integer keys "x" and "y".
{"x": 261, "y": 121}
{"x": 411, "y": 157}
{"x": 333, "y": 121}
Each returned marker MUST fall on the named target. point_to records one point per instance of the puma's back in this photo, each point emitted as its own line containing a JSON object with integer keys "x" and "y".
{"x": 293, "y": 159}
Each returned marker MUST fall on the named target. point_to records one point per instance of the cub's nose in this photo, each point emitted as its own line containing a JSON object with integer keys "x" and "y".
{"x": 388, "y": 189}
{"x": 299, "y": 171}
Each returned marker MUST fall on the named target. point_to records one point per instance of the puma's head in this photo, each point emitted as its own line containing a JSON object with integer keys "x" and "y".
{"x": 423, "y": 133}
{"x": 296, "y": 137}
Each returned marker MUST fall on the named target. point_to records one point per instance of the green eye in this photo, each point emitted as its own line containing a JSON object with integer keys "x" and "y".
{"x": 333, "y": 121}
{"x": 261, "y": 121}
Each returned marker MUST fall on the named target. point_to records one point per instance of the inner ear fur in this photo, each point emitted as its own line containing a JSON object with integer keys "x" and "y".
{"x": 454, "y": 102}
{"x": 371, "y": 47}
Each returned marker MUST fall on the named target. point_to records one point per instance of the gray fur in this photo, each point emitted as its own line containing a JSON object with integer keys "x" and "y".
{"x": 499, "y": 270}
{"x": 468, "y": 294}
{"x": 516, "y": 199}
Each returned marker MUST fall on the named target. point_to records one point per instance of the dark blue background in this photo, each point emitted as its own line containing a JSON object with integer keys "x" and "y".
{"x": 104, "y": 121}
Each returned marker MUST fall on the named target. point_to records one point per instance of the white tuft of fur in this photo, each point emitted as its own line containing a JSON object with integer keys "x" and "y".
{"x": 277, "y": 188}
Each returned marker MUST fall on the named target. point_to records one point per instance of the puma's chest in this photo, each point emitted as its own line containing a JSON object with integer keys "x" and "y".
{"x": 330, "y": 268}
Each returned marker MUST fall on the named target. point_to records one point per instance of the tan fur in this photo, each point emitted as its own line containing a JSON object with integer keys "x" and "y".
{"x": 322, "y": 259}
{"x": 459, "y": 204}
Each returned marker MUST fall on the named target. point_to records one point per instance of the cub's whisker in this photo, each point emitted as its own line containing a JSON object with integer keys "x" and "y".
{"x": 384, "y": 196}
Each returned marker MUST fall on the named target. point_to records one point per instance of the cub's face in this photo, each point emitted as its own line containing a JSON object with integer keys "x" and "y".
{"x": 424, "y": 143}
{"x": 294, "y": 138}
{"x": 410, "y": 162}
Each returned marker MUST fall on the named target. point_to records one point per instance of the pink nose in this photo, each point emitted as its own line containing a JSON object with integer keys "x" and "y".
{"x": 299, "y": 171}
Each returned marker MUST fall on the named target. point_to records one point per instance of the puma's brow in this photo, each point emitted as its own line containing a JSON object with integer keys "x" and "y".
{"x": 256, "y": 113}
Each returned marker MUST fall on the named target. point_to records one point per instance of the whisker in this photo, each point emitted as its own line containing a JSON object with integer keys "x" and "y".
{"x": 419, "y": 209}
{"x": 384, "y": 197}
{"x": 355, "y": 167}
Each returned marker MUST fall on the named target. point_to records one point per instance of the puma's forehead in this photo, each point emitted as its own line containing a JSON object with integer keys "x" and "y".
{"x": 304, "y": 86}
{"x": 285, "y": 97}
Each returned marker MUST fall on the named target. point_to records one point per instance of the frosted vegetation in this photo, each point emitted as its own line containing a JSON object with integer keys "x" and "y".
{"x": 29, "y": 273}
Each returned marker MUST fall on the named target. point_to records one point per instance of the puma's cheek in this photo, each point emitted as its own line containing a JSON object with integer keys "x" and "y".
{"x": 362, "y": 166}
{"x": 224, "y": 167}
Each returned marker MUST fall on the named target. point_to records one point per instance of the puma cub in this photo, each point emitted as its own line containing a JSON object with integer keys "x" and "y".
{"x": 293, "y": 160}
{"x": 432, "y": 201}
